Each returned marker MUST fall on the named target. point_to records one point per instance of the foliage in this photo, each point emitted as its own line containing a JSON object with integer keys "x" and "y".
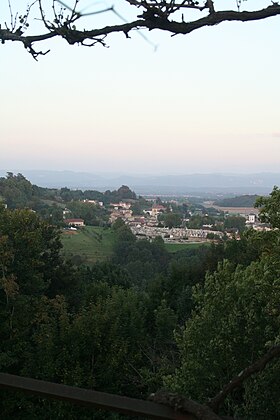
{"x": 33, "y": 246}
{"x": 16, "y": 191}
{"x": 92, "y": 214}
{"x": 122, "y": 193}
{"x": 270, "y": 208}
{"x": 239, "y": 201}
{"x": 197, "y": 221}
{"x": 236, "y": 317}
{"x": 111, "y": 326}
{"x": 235, "y": 222}
{"x": 171, "y": 220}
{"x": 142, "y": 259}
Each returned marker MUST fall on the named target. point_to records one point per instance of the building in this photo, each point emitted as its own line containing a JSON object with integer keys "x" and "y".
{"x": 157, "y": 209}
{"x": 65, "y": 212}
{"x": 74, "y": 222}
{"x": 121, "y": 205}
{"x": 252, "y": 218}
{"x": 95, "y": 202}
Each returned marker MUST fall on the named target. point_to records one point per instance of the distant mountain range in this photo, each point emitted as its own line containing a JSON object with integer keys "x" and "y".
{"x": 259, "y": 183}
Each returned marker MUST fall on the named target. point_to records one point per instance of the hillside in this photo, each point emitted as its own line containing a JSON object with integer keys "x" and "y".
{"x": 239, "y": 201}
{"x": 88, "y": 245}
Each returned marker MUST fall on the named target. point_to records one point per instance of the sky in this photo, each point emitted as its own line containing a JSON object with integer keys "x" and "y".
{"x": 200, "y": 103}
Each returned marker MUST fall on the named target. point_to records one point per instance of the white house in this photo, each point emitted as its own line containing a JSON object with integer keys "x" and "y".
{"x": 74, "y": 222}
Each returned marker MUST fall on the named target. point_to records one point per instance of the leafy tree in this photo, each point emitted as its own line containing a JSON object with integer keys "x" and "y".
{"x": 124, "y": 234}
{"x": 92, "y": 214}
{"x": 119, "y": 223}
{"x": 236, "y": 318}
{"x": 30, "y": 250}
{"x": 186, "y": 269}
{"x": 251, "y": 246}
{"x": 197, "y": 221}
{"x": 171, "y": 219}
{"x": 93, "y": 195}
{"x": 142, "y": 259}
{"x": 105, "y": 272}
{"x": 111, "y": 326}
{"x": 53, "y": 213}
{"x": 124, "y": 193}
{"x": 136, "y": 209}
{"x": 270, "y": 208}
{"x": 64, "y": 21}
{"x": 34, "y": 246}
{"x": 235, "y": 222}
{"x": 16, "y": 191}
{"x": 66, "y": 194}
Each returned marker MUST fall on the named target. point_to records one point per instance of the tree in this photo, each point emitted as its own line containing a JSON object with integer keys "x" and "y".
{"x": 60, "y": 20}
{"x": 270, "y": 208}
{"x": 235, "y": 222}
{"x": 234, "y": 323}
{"x": 91, "y": 213}
{"x": 16, "y": 190}
{"x": 172, "y": 220}
{"x": 30, "y": 255}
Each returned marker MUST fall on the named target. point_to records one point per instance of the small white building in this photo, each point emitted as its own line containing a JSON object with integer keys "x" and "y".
{"x": 252, "y": 218}
{"x": 95, "y": 202}
{"x": 74, "y": 222}
{"x": 65, "y": 212}
{"x": 121, "y": 205}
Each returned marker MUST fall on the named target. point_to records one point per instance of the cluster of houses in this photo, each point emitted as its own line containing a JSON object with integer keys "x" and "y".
{"x": 146, "y": 225}
{"x": 178, "y": 235}
{"x": 120, "y": 210}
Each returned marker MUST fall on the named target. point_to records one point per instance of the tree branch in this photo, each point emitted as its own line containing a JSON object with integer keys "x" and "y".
{"x": 236, "y": 382}
{"x": 27, "y": 41}
{"x": 184, "y": 405}
{"x": 151, "y": 18}
{"x": 209, "y": 411}
{"x": 172, "y": 26}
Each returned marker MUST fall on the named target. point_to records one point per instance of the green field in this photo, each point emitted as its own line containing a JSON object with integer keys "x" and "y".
{"x": 91, "y": 243}
{"x": 179, "y": 247}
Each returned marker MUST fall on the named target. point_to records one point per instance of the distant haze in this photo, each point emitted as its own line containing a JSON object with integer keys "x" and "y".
{"x": 202, "y": 103}
{"x": 261, "y": 183}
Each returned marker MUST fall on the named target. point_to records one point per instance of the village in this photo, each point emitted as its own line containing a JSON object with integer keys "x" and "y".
{"x": 158, "y": 220}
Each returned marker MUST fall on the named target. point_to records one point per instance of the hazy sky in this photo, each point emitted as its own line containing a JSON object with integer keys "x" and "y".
{"x": 205, "y": 102}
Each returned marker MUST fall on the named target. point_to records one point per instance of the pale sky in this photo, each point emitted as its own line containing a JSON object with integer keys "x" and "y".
{"x": 204, "y": 102}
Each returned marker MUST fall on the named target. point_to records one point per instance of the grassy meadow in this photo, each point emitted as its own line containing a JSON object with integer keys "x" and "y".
{"x": 91, "y": 244}
{"x": 180, "y": 246}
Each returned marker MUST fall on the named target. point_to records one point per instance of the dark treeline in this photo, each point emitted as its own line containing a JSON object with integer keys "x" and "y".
{"x": 239, "y": 201}
{"x": 17, "y": 192}
{"x": 142, "y": 321}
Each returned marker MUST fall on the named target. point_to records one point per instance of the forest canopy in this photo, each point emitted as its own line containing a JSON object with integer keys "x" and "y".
{"x": 202, "y": 323}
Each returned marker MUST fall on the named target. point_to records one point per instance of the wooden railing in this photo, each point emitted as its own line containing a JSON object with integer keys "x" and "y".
{"x": 89, "y": 398}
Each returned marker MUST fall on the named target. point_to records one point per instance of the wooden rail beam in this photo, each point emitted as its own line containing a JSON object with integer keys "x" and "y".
{"x": 89, "y": 398}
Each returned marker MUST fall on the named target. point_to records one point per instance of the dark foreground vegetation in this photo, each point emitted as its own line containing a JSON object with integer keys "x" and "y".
{"x": 142, "y": 321}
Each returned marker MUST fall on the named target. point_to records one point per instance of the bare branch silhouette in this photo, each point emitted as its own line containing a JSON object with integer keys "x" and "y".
{"x": 152, "y": 15}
